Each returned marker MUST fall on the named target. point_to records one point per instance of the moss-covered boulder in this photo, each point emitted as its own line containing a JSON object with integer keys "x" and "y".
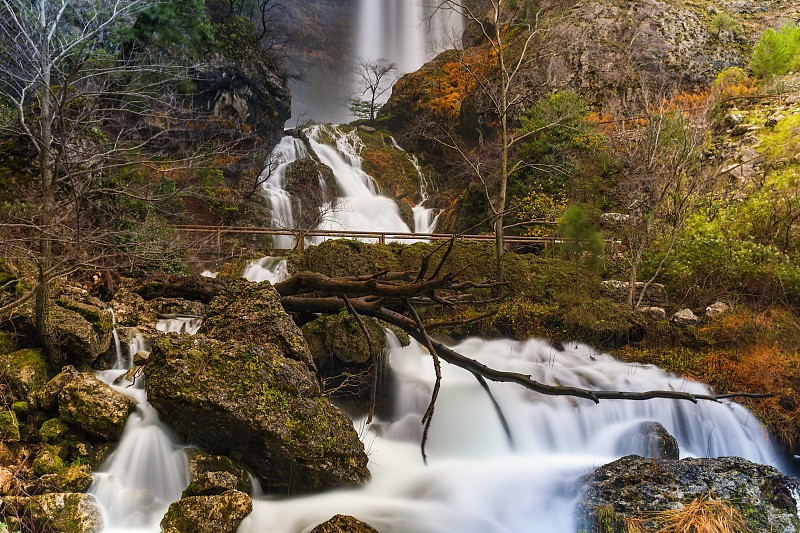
{"x": 635, "y": 489}
{"x": 57, "y": 512}
{"x": 47, "y": 397}
{"x": 53, "y": 430}
{"x": 341, "y": 336}
{"x": 9, "y": 426}
{"x": 220, "y": 513}
{"x": 78, "y": 340}
{"x": 251, "y": 313}
{"x": 343, "y": 524}
{"x": 47, "y": 461}
{"x": 95, "y": 407}
{"x": 70, "y": 479}
{"x": 24, "y": 371}
{"x": 311, "y": 184}
{"x": 247, "y": 387}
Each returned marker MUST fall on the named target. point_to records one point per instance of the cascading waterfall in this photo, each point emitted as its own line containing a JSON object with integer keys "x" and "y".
{"x": 148, "y": 470}
{"x": 407, "y": 33}
{"x": 476, "y": 480}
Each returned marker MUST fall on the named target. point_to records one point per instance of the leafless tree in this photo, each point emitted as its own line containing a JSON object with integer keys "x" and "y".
{"x": 85, "y": 112}
{"x": 374, "y": 78}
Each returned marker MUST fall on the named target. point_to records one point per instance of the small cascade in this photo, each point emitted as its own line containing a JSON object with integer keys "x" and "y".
{"x": 289, "y": 150}
{"x": 425, "y": 218}
{"x": 475, "y": 480}
{"x": 148, "y": 470}
{"x": 179, "y": 324}
{"x": 272, "y": 269}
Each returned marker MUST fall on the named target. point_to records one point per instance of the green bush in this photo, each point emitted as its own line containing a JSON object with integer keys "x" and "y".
{"x": 777, "y": 52}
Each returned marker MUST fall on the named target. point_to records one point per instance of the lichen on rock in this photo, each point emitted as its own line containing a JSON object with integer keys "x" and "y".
{"x": 95, "y": 407}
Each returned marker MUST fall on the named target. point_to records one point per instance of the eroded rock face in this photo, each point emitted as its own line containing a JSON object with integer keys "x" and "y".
{"x": 343, "y": 524}
{"x": 246, "y": 385}
{"x": 208, "y": 514}
{"x": 95, "y": 407}
{"x": 635, "y": 487}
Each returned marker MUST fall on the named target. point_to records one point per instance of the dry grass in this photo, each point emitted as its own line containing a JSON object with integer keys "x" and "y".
{"x": 703, "y": 515}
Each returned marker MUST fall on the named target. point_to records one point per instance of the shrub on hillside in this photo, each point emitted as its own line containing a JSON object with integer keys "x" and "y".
{"x": 777, "y": 52}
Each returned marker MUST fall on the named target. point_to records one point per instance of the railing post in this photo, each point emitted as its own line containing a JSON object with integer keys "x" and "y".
{"x": 382, "y": 238}
{"x": 219, "y": 242}
{"x": 301, "y": 242}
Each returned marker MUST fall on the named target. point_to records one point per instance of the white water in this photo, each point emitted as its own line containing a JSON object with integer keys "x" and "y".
{"x": 476, "y": 480}
{"x": 148, "y": 470}
{"x": 407, "y": 33}
{"x": 181, "y": 324}
{"x": 272, "y": 269}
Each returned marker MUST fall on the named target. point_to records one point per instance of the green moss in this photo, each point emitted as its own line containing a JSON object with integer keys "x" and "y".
{"x": 53, "y": 430}
{"x": 9, "y": 427}
{"x": 7, "y": 343}
{"x": 47, "y": 461}
{"x": 20, "y": 408}
{"x": 100, "y": 319}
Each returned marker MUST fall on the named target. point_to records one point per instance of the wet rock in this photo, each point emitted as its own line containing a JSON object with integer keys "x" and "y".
{"x": 343, "y": 524}
{"x": 648, "y": 439}
{"x": 25, "y": 372}
{"x": 208, "y": 514}
{"x": 211, "y": 484}
{"x": 201, "y": 463}
{"x": 94, "y": 406}
{"x": 685, "y": 318}
{"x": 140, "y": 358}
{"x": 9, "y": 427}
{"x": 251, "y": 390}
{"x": 76, "y": 338}
{"x": 312, "y": 185}
{"x": 341, "y": 336}
{"x": 71, "y": 479}
{"x": 716, "y": 309}
{"x": 53, "y": 430}
{"x": 59, "y": 512}
{"x": 47, "y": 396}
{"x": 636, "y": 488}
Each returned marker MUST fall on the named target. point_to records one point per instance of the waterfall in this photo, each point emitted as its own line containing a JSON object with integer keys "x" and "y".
{"x": 148, "y": 470}
{"x": 272, "y": 269}
{"x": 407, "y": 33}
{"x": 476, "y": 481}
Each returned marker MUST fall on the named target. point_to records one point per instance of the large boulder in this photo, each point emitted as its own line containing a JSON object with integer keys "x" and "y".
{"x": 343, "y": 524}
{"x": 245, "y": 385}
{"x": 201, "y": 464}
{"x": 636, "y": 489}
{"x": 79, "y": 340}
{"x": 94, "y": 406}
{"x": 221, "y": 513}
{"x": 25, "y": 372}
{"x": 648, "y": 439}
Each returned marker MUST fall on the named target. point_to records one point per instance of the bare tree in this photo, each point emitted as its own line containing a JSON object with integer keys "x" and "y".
{"x": 509, "y": 30}
{"x": 374, "y": 78}
{"x": 661, "y": 156}
{"x": 86, "y": 112}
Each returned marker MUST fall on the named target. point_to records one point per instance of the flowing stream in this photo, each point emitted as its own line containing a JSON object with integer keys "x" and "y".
{"x": 477, "y": 480}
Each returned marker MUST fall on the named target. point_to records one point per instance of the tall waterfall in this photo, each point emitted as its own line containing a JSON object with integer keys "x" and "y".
{"x": 477, "y": 481}
{"x": 407, "y": 33}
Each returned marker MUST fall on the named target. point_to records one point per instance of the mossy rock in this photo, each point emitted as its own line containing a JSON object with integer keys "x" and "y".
{"x": 47, "y": 461}
{"x": 71, "y": 479}
{"x": 220, "y": 513}
{"x": 53, "y": 430}
{"x": 201, "y": 463}
{"x": 343, "y": 524}
{"x": 25, "y": 372}
{"x": 9, "y": 427}
{"x": 95, "y": 407}
{"x": 21, "y": 409}
{"x": 59, "y": 512}
{"x": 97, "y": 315}
{"x": 341, "y": 336}
{"x": 211, "y": 484}
{"x": 47, "y": 397}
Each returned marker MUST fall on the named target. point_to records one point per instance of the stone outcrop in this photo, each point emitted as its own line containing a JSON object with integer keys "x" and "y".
{"x": 716, "y": 309}
{"x": 341, "y": 336}
{"x": 245, "y": 384}
{"x": 202, "y": 464}
{"x": 638, "y": 488}
{"x": 93, "y": 406}
{"x": 343, "y": 524}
